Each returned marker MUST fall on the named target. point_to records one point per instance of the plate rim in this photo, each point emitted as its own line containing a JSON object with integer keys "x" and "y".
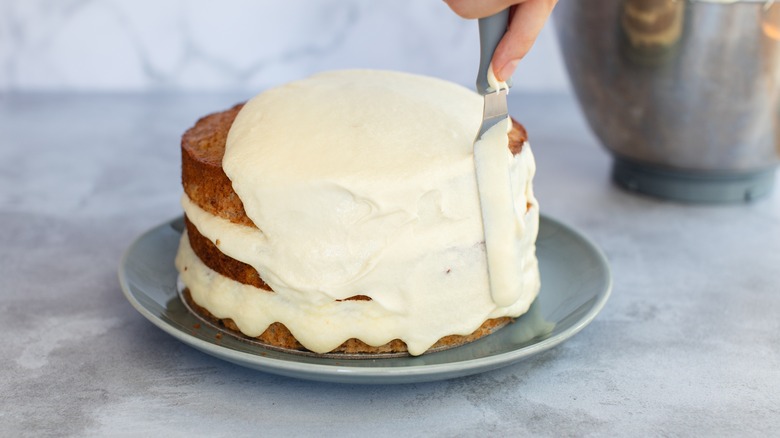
{"x": 343, "y": 372}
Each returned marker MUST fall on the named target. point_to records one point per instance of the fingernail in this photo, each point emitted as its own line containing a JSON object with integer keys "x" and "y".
{"x": 507, "y": 70}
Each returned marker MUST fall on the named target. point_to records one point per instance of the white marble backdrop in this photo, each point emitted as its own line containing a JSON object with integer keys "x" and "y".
{"x": 166, "y": 45}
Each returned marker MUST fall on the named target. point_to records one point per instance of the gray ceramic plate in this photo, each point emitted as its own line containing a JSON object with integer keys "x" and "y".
{"x": 575, "y": 285}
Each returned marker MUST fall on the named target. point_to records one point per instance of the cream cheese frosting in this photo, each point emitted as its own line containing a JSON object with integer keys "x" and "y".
{"x": 493, "y": 81}
{"x": 503, "y": 225}
{"x": 362, "y": 183}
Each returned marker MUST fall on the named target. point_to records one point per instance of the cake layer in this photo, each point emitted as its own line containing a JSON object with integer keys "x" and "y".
{"x": 277, "y": 333}
{"x": 204, "y": 180}
{"x": 209, "y": 253}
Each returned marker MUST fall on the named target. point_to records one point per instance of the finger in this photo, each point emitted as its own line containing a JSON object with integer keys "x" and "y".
{"x": 479, "y": 8}
{"x": 526, "y": 22}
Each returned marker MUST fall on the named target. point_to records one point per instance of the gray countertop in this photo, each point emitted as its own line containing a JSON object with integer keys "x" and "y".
{"x": 688, "y": 344}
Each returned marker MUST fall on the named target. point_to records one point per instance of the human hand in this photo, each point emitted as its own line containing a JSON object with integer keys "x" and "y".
{"x": 526, "y": 19}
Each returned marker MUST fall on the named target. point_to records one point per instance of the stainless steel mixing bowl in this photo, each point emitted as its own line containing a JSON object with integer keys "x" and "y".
{"x": 685, "y": 94}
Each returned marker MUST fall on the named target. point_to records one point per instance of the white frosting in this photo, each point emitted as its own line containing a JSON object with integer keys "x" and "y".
{"x": 504, "y": 225}
{"x": 362, "y": 183}
{"x": 493, "y": 81}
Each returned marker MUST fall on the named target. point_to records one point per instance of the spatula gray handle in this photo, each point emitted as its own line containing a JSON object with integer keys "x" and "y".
{"x": 491, "y": 30}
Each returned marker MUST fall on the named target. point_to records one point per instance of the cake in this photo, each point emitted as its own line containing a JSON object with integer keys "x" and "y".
{"x": 340, "y": 214}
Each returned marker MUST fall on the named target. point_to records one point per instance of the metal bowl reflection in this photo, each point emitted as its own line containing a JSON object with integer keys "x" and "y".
{"x": 684, "y": 94}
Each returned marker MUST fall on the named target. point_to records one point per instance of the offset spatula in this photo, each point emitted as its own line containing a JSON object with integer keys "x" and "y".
{"x": 491, "y": 30}
{"x": 491, "y": 161}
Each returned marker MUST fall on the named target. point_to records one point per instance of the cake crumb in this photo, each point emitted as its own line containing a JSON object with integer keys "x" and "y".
{"x": 196, "y": 326}
{"x": 218, "y": 336}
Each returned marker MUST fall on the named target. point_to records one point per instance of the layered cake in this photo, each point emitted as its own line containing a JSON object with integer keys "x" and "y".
{"x": 340, "y": 214}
